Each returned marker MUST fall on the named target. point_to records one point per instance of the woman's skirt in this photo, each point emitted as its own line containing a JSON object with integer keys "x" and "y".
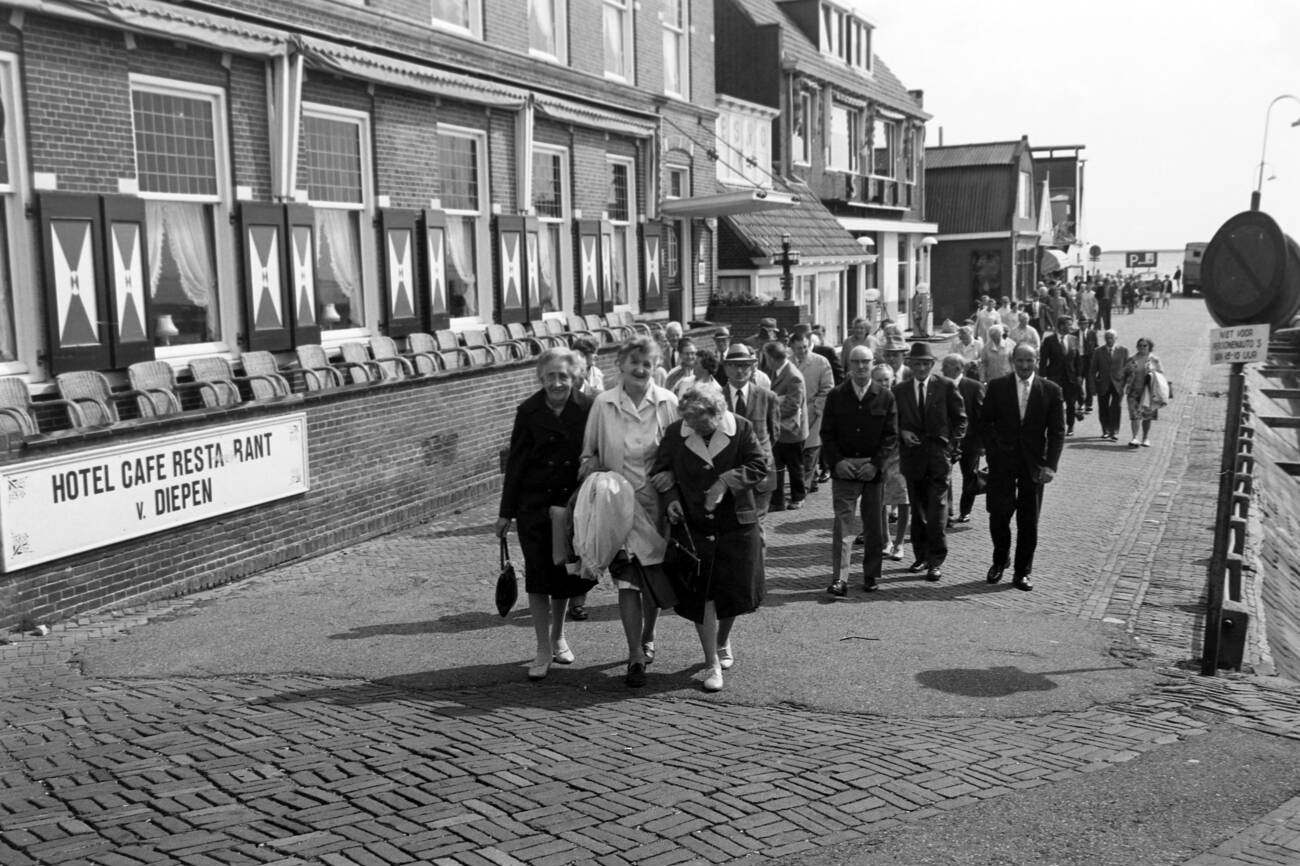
{"x": 541, "y": 575}
{"x": 731, "y": 574}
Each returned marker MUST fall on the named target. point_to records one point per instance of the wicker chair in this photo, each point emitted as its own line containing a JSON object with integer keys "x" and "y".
{"x": 90, "y": 391}
{"x": 266, "y": 378}
{"x": 627, "y": 320}
{"x": 321, "y": 375}
{"x": 577, "y": 326}
{"x": 542, "y": 334}
{"x": 18, "y": 418}
{"x": 499, "y": 336}
{"x": 364, "y": 369}
{"x": 158, "y": 380}
{"x": 397, "y": 366}
{"x": 519, "y": 333}
{"x": 596, "y": 325}
{"x": 220, "y": 374}
{"x": 427, "y": 355}
{"x": 556, "y": 328}
{"x": 449, "y": 345}
{"x": 483, "y": 351}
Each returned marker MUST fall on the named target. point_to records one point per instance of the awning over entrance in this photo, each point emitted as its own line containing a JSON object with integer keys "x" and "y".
{"x": 752, "y": 239}
{"x": 1053, "y": 261}
{"x": 876, "y": 224}
{"x": 728, "y": 203}
{"x": 584, "y": 115}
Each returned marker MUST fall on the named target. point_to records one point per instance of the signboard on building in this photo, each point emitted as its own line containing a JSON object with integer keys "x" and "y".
{"x": 66, "y": 504}
{"x": 1141, "y": 259}
{"x": 1243, "y": 344}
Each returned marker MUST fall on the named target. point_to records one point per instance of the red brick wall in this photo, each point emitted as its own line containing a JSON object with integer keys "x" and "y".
{"x": 380, "y": 458}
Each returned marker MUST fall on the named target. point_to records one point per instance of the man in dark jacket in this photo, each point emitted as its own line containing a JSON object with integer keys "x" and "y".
{"x": 1061, "y": 361}
{"x": 971, "y": 448}
{"x": 859, "y": 429}
{"x": 757, "y": 405}
{"x": 1023, "y": 428}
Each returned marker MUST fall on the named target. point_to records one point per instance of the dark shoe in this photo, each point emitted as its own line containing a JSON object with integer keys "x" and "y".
{"x": 635, "y": 675}
{"x": 995, "y": 573}
{"x": 869, "y": 585}
{"x": 963, "y": 518}
{"x": 579, "y": 612}
{"x": 859, "y": 541}
{"x": 917, "y": 566}
{"x": 839, "y": 589}
{"x": 794, "y": 506}
{"x": 823, "y": 477}
{"x": 813, "y": 488}
{"x": 934, "y": 575}
{"x": 1022, "y": 581}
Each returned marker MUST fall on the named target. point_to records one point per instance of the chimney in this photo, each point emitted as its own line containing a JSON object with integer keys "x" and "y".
{"x": 941, "y": 136}
{"x": 919, "y": 96}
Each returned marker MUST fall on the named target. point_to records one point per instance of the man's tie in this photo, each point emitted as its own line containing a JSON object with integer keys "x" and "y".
{"x": 740, "y": 403}
{"x": 920, "y": 394}
{"x": 1023, "y": 386}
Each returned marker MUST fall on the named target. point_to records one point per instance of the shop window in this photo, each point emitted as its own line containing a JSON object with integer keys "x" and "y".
{"x": 460, "y": 167}
{"x": 547, "y": 29}
{"x": 550, "y": 203}
{"x": 334, "y": 159}
{"x": 180, "y": 166}
{"x": 465, "y": 16}
{"x": 617, "y": 29}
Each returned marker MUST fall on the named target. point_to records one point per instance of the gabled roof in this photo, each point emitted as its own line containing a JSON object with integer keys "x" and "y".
{"x": 881, "y": 85}
{"x": 963, "y": 155}
{"x": 814, "y": 232}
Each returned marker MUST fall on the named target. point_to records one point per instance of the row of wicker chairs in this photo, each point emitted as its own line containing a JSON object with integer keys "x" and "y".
{"x": 87, "y": 399}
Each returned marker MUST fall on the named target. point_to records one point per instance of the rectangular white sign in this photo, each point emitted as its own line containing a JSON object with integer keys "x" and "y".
{"x": 1243, "y": 344}
{"x": 62, "y": 505}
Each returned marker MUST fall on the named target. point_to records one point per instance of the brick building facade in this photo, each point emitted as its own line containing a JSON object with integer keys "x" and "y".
{"x": 194, "y": 180}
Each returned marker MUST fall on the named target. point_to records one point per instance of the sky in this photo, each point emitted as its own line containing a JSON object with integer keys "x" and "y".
{"x": 1169, "y": 98}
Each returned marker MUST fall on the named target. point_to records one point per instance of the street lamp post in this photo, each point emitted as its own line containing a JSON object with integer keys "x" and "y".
{"x": 1263, "y": 148}
{"x": 787, "y": 260}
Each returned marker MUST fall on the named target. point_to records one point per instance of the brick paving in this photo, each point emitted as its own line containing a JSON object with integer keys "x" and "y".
{"x": 295, "y": 768}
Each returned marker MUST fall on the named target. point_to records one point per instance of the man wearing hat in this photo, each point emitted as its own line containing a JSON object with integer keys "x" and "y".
{"x": 788, "y": 385}
{"x": 722, "y": 342}
{"x": 768, "y": 330}
{"x": 758, "y": 405}
{"x": 893, "y": 351}
{"x": 931, "y": 424}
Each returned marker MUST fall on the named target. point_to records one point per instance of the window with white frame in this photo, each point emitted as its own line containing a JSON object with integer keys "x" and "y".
{"x": 800, "y": 140}
{"x": 335, "y": 160}
{"x": 844, "y": 138}
{"x": 11, "y": 213}
{"x": 884, "y": 147}
{"x": 551, "y": 204}
{"x": 465, "y": 16}
{"x": 464, "y": 192}
{"x": 845, "y": 37}
{"x": 548, "y": 27}
{"x": 621, "y": 210}
{"x": 181, "y": 167}
{"x": 617, "y": 28}
{"x": 1023, "y": 195}
{"x": 679, "y": 185}
{"x": 677, "y": 54}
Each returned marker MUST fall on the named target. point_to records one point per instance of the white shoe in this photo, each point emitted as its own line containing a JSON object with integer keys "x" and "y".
{"x": 562, "y": 654}
{"x": 713, "y": 682}
{"x": 648, "y": 650}
{"x": 1146, "y": 443}
{"x": 725, "y": 658}
{"x": 1133, "y": 443}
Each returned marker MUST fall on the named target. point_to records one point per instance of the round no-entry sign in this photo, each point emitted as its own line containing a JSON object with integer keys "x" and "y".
{"x": 1251, "y": 272}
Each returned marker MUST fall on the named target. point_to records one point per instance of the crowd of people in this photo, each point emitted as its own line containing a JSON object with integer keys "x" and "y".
{"x": 702, "y": 438}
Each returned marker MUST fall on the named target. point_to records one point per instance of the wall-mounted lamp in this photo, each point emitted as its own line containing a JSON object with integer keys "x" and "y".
{"x": 929, "y": 241}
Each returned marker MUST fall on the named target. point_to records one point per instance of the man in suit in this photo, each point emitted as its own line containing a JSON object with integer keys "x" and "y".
{"x": 968, "y": 458}
{"x": 1023, "y": 428}
{"x": 1088, "y": 342}
{"x": 859, "y": 430}
{"x": 817, "y": 382}
{"x": 759, "y": 406}
{"x": 1060, "y": 361}
{"x": 1107, "y": 369}
{"x": 931, "y": 423}
{"x": 788, "y": 385}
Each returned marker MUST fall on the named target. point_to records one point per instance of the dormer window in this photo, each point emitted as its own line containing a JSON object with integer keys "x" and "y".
{"x": 845, "y": 37}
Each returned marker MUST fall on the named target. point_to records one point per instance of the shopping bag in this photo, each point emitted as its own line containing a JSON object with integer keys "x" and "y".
{"x": 507, "y": 583}
{"x": 681, "y": 561}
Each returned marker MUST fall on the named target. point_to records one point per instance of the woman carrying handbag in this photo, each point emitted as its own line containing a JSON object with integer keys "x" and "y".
{"x": 715, "y": 463}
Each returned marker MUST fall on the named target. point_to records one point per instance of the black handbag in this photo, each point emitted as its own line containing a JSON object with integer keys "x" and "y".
{"x": 682, "y": 560}
{"x": 507, "y": 583}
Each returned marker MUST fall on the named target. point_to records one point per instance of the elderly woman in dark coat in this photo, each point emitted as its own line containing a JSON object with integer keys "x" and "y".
{"x": 716, "y": 463}
{"x": 541, "y": 474}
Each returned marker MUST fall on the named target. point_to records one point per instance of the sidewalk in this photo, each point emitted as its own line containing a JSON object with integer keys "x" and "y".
{"x": 368, "y": 707}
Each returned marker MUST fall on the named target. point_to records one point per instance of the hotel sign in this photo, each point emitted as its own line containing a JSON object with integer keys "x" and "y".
{"x": 67, "y": 504}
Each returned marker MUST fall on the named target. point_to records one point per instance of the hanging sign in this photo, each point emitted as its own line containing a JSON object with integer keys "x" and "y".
{"x": 67, "y": 504}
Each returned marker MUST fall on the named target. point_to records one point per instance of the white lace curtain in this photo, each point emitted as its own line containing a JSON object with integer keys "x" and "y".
{"x": 460, "y": 255}
{"x": 546, "y": 266}
{"x": 334, "y": 232}
{"x": 183, "y": 225}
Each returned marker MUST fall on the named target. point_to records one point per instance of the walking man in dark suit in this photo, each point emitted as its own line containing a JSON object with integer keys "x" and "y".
{"x": 931, "y": 423}
{"x": 859, "y": 429}
{"x": 1023, "y": 428}
{"x": 757, "y": 405}
{"x": 1107, "y": 369}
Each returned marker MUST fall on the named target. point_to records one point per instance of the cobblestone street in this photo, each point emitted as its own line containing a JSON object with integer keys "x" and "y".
{"x": 368, "y": 707}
